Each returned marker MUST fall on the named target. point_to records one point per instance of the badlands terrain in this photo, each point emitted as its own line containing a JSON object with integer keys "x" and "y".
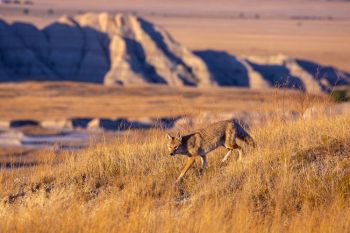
{"x": 89, "y": 89}
{"x": 123, "y": 49}
{"x": 313, "y": 30}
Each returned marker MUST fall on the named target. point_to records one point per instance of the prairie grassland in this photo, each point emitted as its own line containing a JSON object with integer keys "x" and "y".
{"x": 296, "y": 180}
{"x": 62, "y": 100}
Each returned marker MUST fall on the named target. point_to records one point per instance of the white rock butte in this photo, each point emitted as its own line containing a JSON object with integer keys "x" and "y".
{"x": 124, "y": 49}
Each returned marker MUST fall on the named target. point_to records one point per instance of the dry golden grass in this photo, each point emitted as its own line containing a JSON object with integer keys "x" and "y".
{"x": 296, "y": 180}
{"x": 61, "y": 100}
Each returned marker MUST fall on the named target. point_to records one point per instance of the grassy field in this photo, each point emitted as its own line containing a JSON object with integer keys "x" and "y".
{"x": 296, "y": 180}
{"x": 62, "y": 100}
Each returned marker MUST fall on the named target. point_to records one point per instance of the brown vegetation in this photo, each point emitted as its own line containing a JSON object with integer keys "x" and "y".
{"x": 296, "y": 180}
{"x": 43, "y": 101}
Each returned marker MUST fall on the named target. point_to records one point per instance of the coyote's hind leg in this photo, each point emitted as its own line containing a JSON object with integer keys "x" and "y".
{"x": 231, "y": 148}
{"x": 240, "y": 152}
{"x": 204, "y": 162}
{"x": 231, "y": 143}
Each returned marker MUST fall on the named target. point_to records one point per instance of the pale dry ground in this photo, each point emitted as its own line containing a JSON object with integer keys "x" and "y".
{"x": 296, "y": 180}
{"x": 214, "y": 8}
{"x": 324, "y": 42}
{"x": 45, "y": 101}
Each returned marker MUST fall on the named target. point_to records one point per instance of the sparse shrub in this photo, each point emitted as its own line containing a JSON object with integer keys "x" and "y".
{"x": 339, "y": 96}
{"x": 50, "y": 11}
{"x": 26, "y": 11}
{"x": 28, "y": 3}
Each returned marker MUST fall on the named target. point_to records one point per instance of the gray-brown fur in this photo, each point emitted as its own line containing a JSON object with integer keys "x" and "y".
{"x": 202, "y": 141}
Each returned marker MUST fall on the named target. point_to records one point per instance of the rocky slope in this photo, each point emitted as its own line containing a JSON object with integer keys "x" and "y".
{"x": 124, "y": 50}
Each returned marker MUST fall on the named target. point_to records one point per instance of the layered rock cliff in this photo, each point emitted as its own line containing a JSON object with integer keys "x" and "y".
{"x": 125, "y": 49}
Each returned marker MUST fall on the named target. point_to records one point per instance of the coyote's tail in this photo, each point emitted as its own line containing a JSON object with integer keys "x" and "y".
{"x": 244, "y": 135}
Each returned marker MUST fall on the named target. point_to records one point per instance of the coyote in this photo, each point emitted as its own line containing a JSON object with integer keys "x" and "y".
{"x": 202, "y": 141}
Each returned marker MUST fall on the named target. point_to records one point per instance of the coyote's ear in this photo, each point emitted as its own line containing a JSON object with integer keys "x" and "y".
{"x": 168, "y": 136}
{"x": 178, "y": 136}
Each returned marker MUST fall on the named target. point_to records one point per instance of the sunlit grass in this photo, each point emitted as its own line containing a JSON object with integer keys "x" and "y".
{"x": 296, "y": 180}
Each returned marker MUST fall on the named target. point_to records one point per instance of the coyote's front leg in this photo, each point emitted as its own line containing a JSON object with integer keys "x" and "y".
{"x": 226, "y": 156}
{"x": 189, "y": 163}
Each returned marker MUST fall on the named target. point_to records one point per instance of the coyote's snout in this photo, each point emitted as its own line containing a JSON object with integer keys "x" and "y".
{"x": 202, "y": 141}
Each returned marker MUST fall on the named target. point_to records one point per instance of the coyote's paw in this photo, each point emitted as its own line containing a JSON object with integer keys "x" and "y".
{"x": 177, "y": 182}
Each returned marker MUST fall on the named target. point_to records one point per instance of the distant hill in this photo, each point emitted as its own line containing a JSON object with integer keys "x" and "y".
{"x": 125, "y": 50}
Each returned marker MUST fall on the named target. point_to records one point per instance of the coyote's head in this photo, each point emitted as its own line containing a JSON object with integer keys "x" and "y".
{"x": 174, "y": 144}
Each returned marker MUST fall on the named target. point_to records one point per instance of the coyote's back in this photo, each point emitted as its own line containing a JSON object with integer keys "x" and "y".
{"x": 223, "y": 133}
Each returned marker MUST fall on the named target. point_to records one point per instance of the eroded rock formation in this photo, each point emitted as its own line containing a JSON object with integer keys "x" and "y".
{"x": 125, "y": 49}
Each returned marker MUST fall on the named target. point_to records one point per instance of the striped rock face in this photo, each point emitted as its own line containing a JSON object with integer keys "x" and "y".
{"x": 124, "y": 49}
{"x": 100, "y": 48}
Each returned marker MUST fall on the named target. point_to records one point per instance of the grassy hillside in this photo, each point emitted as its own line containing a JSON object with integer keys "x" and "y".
{"x": 296, "y": 180}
